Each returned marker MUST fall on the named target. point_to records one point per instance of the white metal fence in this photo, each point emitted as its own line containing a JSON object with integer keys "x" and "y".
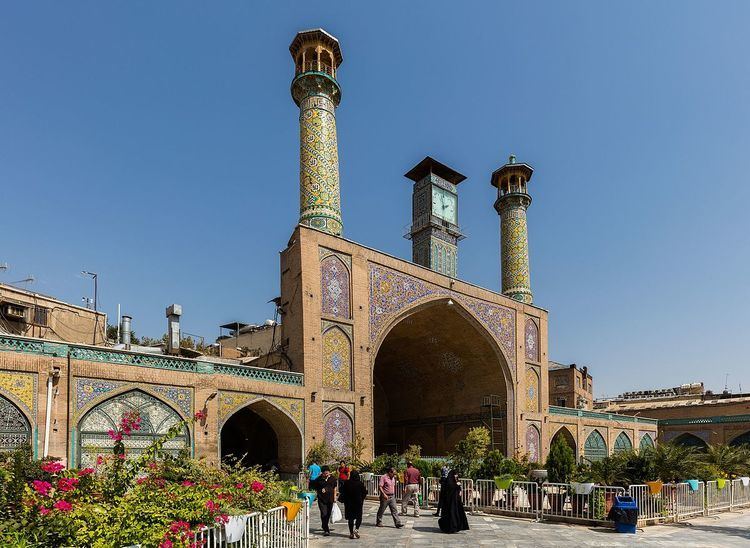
{"x": 261, "y": 530}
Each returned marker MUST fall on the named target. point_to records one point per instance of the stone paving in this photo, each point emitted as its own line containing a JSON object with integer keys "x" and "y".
{"x": 723, "y": 530}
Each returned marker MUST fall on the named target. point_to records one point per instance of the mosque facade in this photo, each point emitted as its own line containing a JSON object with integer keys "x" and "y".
{"x": 399, "y": 352}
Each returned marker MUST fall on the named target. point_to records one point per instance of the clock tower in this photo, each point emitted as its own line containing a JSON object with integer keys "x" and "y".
{"x": 434, "y": 231}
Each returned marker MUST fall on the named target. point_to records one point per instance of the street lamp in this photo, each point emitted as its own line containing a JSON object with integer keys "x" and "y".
{"x": 95, "y": 277}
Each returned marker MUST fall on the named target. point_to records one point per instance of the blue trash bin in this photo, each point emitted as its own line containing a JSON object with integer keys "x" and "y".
{"x": 625, "y": 514}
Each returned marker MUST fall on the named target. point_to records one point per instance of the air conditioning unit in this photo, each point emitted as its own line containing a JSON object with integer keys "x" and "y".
{"x": 12, "y": 311}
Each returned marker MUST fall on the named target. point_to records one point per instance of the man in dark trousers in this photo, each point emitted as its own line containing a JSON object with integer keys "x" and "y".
{"x": 326, "y": 487}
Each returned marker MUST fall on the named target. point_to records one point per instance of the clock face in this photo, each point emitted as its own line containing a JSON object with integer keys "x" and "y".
{"x": 444, "y": 204}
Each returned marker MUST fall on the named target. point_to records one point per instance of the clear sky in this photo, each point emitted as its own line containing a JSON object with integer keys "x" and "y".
{"x": 156, "y": 143}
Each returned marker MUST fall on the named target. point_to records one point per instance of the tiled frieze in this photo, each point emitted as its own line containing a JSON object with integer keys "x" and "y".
{"x": 231, "y": 402}
{"x": 23, "y": 388}
{"x": 89, "y": 392}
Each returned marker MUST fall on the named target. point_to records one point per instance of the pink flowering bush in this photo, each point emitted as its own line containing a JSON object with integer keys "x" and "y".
{"x": 153, "y": 499}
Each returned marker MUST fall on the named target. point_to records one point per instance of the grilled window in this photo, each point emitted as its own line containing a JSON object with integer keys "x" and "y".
{"x": 41, "y": 316}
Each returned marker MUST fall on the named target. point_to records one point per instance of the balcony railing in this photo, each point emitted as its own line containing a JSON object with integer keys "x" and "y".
{"x": 314, "y": 66}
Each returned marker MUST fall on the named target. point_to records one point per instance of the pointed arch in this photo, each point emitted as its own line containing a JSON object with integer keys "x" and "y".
{"x": 567, "y": 436}
{"x": 742, "y": 439}
{"x": 157, "y": 417}
{"x": 647, "y": 442}
{"x": 531, "y": 340}
{"x": 335, "y": 281}
{"x": 688, "y": 439}
{"x": 533, "y": 442}
{"x": 595, "y": 448}
{"x": 623, "y": 443}
{"x": 338, "y": 427}
{"x": 337, "y": 359}
{"x": 15, "y": 428}
{"x": 259, "y": 429}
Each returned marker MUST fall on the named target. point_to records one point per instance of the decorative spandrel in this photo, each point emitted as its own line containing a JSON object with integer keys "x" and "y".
{"x": 338, "y": 431}
{"x": 533, "y": 441}
{"x": 15, "y": 430}
{"x": 531, "y": 340}
{"x": 337, "y": 359}
{"x": 334, "y": 282}
{"x": 156, "y": 419}
{"x": 532, "y": 390}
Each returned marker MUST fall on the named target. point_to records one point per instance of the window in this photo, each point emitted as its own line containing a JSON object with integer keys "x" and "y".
{"x": 561, "y": 402}
{"x": 41, "y": 316}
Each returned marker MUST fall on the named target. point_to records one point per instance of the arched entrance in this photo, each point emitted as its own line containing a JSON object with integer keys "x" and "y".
{"x": 156, "y": 419}
{"x": 690, "y": 440}
{"x": 261, "y": 434}
{"x": 15, "y": 430}
{"x": 565, "y": 434}
{"x": 438, "y": 373}
{"x": 742, "y": 439}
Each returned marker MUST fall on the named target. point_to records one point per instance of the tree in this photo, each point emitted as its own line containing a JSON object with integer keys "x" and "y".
{"x": 561, "y": 463}
{"x": 321, "y": 453}
{"x": 469, "y": 452}
{"x": 357, "y": 448}
{"x": 413, "y": 453}
{"x": 674, "y": 462}
{"x": 609, "y": 470}
{"x": 726, "y": 461}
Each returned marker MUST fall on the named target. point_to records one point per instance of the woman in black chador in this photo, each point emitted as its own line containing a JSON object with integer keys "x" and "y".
{"x": 353, "y": 493}
{"x": 454, "y": 516}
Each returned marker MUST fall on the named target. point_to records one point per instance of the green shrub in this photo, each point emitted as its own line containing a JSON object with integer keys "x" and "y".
{"x": 321, "y": 453}
{"x": 561, "y": 462}
{"x": 469, "y": 453}
{"x": 383, "y": 462}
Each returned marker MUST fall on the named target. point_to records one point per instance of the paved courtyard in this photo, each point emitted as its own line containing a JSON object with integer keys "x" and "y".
{"x": 723, "y": 530}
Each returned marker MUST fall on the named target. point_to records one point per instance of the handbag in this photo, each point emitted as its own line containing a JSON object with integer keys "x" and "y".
{"x": 335, "y": 513}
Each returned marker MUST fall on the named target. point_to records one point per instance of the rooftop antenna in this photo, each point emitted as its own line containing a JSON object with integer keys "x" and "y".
{"x": 726, "y": 382}
{"x": 3, "y": 266}
{"x": 30, "y": 279}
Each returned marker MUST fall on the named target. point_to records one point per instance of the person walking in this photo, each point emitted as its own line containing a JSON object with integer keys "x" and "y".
{"x": 343, "y": 473}
{"x": 387, "y": 489}
{"x": 412, "y": 479}
{"x": 443, "y": 477}
{"x": 353, "y": 493}
{"x": 454, "y": 516}
{"x": 326, "y": 487}
{"x": 313, "y": 473}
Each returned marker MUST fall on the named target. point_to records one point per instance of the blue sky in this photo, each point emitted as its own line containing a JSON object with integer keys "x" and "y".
{"x": 156, "y": 144}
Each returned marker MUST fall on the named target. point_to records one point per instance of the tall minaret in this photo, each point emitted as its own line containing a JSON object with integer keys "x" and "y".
{"x": 316, "y": 92}
{"x": 511, "y": 204}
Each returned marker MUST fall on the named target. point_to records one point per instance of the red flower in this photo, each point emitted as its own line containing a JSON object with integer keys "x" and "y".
{"x": 223, "y": 518}
{"x": 53, "y": 467}
{"x": 99, "y": 460}
{"x": 63, "y": 506}
{"x": 187, "y": 483}
{"x": 117, "y": 436}
{"x": 166, "y": 543}
{"x": 43, "y": 510}
{"x": 141, "y": 481}
{"x": 152, "y": 465}
{"x": 41, "y": 487}
{"x": 67, "y": 484}
{"x": 85, "y": 472}
{"x": 257, "y": 487}
{"x": 200, "y": 415}
{"x": 212, "y": 506}
{"x": 240, "y": 486}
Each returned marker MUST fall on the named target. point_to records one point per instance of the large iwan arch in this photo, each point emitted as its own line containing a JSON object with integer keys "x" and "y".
{"x": 262, "y": 434}
{"x": 432, "y": 369}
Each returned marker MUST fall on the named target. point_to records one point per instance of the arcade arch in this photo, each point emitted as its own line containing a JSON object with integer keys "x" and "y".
{"x": 690, "y": 440}
{"x": 157, "y": 418}
{"x": 15, "y": 429}
{"x": 565, "y": 434}
{"x": 595, "y": 448}
{"x": 742, "y": 439}
{"x": 623, "y": 443}
{"x": 432, "y": 372}
{"x": 647, "y": 442}
{"x": 262, "y": 434}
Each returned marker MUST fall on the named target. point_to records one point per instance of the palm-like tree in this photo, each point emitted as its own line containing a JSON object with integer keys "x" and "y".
{"x": 674, "y": 462}
{"x": 728, "y": 460}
